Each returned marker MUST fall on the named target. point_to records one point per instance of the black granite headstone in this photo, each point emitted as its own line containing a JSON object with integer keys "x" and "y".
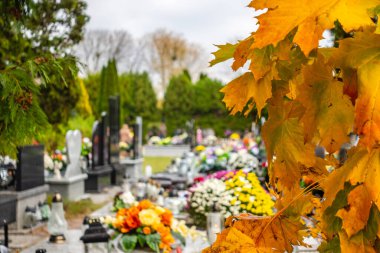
{"x": 105, "y": 134}
{"x": 97, "y": 153}
{"x": 30, "y": 167}
{"x": 99, "y": 175}
{"x": 114, "y": 137}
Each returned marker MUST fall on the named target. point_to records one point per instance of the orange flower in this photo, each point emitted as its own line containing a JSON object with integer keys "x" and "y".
{"x": 167, "y": 218}
{"x": 134, "y": 211}
{"x": 124, "y": 230}
{"x": 147, "y": 231}
{"x": 144, "y": 204}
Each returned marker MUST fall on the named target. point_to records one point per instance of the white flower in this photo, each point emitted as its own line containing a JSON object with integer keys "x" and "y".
{"x": 127, "y": 198}
{"x": 48, "y": 162}
{"x": 57, "y": 165}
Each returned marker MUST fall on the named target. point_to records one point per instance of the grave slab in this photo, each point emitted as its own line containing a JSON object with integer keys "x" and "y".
{"x": 29, "y": 197}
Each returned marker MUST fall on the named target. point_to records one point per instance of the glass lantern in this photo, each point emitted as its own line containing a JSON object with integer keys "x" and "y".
{"x": 214, "y": 225}
{"x": 95, "y": 237}
{"x": 57, "y": 224}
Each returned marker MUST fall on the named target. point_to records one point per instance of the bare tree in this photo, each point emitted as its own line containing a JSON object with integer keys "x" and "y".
{"x": 98, "y": 46}
{"x": 168, "y": 54}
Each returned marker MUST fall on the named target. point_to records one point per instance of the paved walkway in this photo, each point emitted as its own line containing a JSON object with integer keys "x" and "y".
{"x": 29, "y": 241}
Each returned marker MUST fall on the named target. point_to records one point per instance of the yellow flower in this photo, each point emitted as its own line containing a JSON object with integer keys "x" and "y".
{"x": 149, "y": 217}
{"x": 159, "y": 210}
{"x": 242, "y": 206}
{"x": 200, "y": 148}
{"x": 235, "y": 136}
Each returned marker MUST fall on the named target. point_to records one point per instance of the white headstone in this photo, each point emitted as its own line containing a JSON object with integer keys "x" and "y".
{"x": 74, "y": 147}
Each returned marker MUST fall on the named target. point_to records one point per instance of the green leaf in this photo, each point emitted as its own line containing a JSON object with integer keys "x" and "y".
{"x": 333, "y": 246}
{"x": 335, "y": 223}
{"x": 141, "y": 239}
{"x": 119, "y": 204}
{"x": 153, "y": 241}
{"x": 224, "y": 53}
{"x": 370, "y": 231}
{"x": 128, "y": 242}
{"x": 179, "y": 237}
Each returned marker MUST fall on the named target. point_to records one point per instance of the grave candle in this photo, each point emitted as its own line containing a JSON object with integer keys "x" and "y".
{"x": 6, "y": 238}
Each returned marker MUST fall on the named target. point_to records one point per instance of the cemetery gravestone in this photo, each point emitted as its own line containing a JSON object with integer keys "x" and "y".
{"x": 137, "y": 139}
{"x": 30, "y": 167}
{"x": 30, "y": 183}
{"x": 133, "y": 167}
{"x": 99, "y": 175}
{"x": 117, "y": 174}
{"x": 71, "y": 185}
{"x": 96, "y": 145}
{"x": 105, "y": 135}
{"x": 74, "y": 148}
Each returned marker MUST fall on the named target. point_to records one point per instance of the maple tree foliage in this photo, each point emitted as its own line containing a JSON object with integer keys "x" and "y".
{"x": 314, "y": 97}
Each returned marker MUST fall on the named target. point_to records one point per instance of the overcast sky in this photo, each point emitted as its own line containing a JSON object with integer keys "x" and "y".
{"x": 205, "y": 22}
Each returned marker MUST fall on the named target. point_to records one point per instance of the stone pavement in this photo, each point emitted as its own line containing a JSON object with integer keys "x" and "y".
{"x": 72, "y": 244}
{"x": 27, "y": 241}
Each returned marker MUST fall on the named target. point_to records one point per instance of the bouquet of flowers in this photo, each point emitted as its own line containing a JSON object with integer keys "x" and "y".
{"x": 208, "y": 196}
{"x": 143, "y": 224}
{"x": 55, "y": 162}
{"x": 248, "y": 196}
{"x": 86, "y": 146}
{"x": 213, "y": 159}
{"x": 230, "y": 193}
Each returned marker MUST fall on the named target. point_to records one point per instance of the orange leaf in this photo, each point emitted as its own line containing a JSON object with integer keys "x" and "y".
{"x": 361, "y": 167}
{"x": 244, "y": 88}
{"x": 363, "y": 54}
{"x": 259, "y": 234}
{"x": 355, "y": 216}
{"x": 311, "y": 18}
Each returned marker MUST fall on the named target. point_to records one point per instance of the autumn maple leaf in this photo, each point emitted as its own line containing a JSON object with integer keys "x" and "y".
{"x": 311, "y": 18}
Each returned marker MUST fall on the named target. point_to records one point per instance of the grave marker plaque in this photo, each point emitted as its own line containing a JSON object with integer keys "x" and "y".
{"x": 30, "y": 167}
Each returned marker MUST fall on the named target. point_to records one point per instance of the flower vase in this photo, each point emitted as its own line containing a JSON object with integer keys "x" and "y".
{"x": 214, "y": 225}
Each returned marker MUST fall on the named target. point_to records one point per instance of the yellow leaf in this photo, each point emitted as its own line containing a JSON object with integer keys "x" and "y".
{"x": 283, "y": 135}
{"x": 242, "y": 53}
{"x": 259, "y": 234}
{"x": 244, "y": 88}
{"x": 329, "y": 112}
{"x": 261, "y": 61}
{"x": 361, "y": 167}
{"x": 363, "y": 54}
{"x": 224, "y": 53}
{"x": 355, "y": 215}
{"x": 311, "y": 18}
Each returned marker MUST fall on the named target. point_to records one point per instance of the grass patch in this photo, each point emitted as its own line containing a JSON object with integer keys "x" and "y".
{"x": 158, "y": 163}
{"x": 74, "y": 209}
